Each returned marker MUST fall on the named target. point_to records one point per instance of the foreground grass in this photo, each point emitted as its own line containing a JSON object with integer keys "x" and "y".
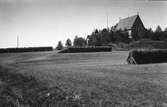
{"x": 82, "y": 80}
{"x": 17, "y": 90}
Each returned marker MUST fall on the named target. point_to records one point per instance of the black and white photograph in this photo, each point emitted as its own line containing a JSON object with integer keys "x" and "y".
{"x": 83, "y": 53}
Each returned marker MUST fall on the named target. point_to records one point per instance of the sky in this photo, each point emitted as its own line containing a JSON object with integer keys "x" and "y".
{"x": 45, "y": 22}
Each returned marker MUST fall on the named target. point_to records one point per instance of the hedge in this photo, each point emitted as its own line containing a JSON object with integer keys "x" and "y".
{"x": 86, "y": 49}
{"x": 147, "y": 56}
{"x": 27, "y": 49}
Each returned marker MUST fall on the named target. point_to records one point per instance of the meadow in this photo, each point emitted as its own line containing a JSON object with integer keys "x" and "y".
{"x": 94, "y": 79}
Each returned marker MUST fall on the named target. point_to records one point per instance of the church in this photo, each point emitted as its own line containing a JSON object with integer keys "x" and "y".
{"x": 133, "y": 25}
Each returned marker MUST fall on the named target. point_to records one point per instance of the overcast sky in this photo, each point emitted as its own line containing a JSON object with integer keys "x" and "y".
{"x": 45, "y": 22}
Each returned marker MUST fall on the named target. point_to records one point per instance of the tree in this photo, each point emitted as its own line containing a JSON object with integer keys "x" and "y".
{"x": 120, "y": 36}
{"x": 158, "y": 29}
{"x": 165, "y": 30}
{"x": 68, "y": 42}
{"x": 79, "y": 41}
{"x": 105, "y": 37}
{"x": 95, "y": 38}
{"x": 165, "y": 34}
{"x": 96, "y": 31}
{"x": 59, "y": 46}
{"x": 149, "y": 33}
{"x": 158, "y": 34}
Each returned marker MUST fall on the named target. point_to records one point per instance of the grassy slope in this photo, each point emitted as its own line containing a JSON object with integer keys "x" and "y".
{"x": 144, "y": 43}
{"x": 148, "y": 44}
{"x": 95, "y": 77}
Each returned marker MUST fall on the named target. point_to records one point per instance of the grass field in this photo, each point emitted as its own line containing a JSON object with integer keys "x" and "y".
{"x": 95, "y": 79}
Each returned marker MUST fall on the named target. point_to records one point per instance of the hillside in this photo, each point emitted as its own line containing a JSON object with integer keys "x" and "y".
{"x": 144, "y": 44}
{"x": 148, "y": 44}
{"x": 92, "y": 79}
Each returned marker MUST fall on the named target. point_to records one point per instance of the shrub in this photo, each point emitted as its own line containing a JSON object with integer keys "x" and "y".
{"x": 144, "y": 56}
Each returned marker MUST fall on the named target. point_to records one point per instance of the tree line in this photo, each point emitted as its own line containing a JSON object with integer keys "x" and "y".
{"x": 77, "y": 42}
{"x": 106, "y": 37}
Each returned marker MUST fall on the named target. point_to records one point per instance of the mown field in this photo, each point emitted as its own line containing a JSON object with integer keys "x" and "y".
{"x": 93, "y": 79}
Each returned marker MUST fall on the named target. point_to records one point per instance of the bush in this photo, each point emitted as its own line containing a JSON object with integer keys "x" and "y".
{"x": 147, "y": 56}
{"x": 86, "y": 49}
{"x": 28, "y": 49}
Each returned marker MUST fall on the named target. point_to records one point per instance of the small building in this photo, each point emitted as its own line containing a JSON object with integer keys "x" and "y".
{"x": 133, "y": 25}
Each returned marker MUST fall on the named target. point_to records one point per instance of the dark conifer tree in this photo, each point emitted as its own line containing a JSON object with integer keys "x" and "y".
{"x": 59, "y": 46}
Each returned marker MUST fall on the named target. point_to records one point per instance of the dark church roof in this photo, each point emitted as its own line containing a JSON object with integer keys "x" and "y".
{"x": 126, "y": 23}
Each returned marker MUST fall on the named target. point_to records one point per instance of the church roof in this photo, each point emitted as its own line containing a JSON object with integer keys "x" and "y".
{"x": 126, "y": 23}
